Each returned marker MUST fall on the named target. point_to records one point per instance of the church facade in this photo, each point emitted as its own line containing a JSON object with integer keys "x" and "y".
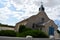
{"x": 39, "y": 21}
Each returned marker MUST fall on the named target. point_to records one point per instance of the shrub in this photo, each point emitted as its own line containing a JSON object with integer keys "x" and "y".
{"x": 58, "y": 31}
{"x": 34, "y": 33}
{"x": 7, "y": 33}
{"x": 23, "y": 32}
{"x": 23, "y": 28}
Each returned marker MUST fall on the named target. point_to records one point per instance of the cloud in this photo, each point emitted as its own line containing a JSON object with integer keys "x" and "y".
{"x": 1, "y": 5}
{"x": 18, "y": 10}
{"x": 27, "y": 7}
{"x": 12, "y": 8}
{"x": 47, "y": 3}
{"x": 52, "y": 3}
{"x": 53, "y": 13}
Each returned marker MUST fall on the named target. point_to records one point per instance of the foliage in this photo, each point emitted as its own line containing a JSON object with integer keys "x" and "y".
{"x": 23, "y": 28}
{"x": 58, "y": 31}
{"x": 7, "y": 33}
{"x": 23, "y": 32}
{"x": 33, "y": 33}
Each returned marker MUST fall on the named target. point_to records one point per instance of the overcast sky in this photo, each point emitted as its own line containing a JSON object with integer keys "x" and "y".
{"x": 13, "y": 11}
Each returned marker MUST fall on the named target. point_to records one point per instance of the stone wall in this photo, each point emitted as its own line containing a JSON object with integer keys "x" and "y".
{"x": 6, "y": 28}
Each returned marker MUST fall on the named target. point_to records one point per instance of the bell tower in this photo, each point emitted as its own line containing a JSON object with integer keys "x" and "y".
{"x": 41, "y": 7}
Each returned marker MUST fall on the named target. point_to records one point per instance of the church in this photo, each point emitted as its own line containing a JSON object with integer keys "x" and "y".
{"x": 39, "y": 21}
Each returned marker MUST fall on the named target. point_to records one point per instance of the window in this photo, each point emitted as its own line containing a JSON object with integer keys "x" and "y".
{"x": 33, "y": 25}
{"x": 42, "y": 19}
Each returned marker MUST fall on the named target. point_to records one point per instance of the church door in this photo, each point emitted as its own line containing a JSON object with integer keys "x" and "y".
{"x": 51, "y": 30}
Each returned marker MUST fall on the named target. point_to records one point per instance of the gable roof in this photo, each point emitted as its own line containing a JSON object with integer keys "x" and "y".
{"x": 30, "y": 17}
{"x": 26, "y": 19}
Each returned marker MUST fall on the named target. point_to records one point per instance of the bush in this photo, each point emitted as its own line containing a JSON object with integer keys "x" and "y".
{"x": 28, "y": 31}
{"x": 58, "y": 31}
{"x": 23, "y": 28}
{"x": 34, "y": 33}
{"x": 7, "y": 33}
{"x": 23, "y": 32}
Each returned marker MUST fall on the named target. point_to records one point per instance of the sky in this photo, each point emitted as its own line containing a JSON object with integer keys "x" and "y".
{"x": 13, "y": 11}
